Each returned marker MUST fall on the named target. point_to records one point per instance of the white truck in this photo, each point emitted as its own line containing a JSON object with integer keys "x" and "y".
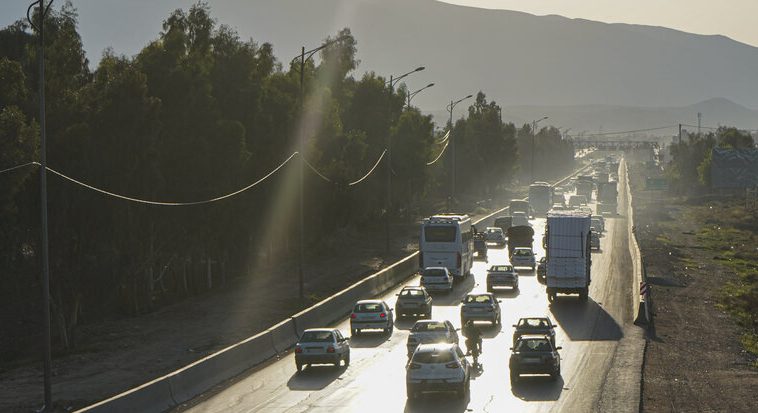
{"x": 567, "y": 239}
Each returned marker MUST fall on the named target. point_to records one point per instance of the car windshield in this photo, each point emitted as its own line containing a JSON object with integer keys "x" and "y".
{"x": 533, "y": 323}
{"x": 538, "y": 344}
{"x": 501, "y": 268}
{"x": 317, "y": 337}
{"x": 429, "y": 357}
{"x": 368, "y": 308}
{"x": 429, "y": 326}
{"x": 434, "y": 272}
{"x": 522, "y": 253}
{"x": 440, "y": 233}
{"x": 479, "y": 299}
{"x": 414, "y": 293}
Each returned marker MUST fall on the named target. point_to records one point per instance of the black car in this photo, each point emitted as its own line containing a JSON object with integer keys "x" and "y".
{"x": 534, "y": 354}
{"x": 534, "y": 325}
{"x": 414, "y": 301}
{"x": 542, "y": 269}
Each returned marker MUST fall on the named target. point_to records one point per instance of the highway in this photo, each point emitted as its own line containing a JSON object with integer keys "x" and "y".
{"x": 590, "y": 334}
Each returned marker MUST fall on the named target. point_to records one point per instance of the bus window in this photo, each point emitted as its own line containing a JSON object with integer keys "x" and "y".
{"x": 440, "y": 233}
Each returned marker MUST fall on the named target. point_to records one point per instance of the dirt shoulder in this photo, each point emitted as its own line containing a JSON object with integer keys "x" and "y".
{"x": 696, "y": 357}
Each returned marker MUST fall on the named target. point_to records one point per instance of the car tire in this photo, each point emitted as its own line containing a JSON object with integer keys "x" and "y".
{"x": 411, "y": 393}
{"x": 514, "y": 378}
{"x": 347, "y": 360}
{"x": 555, "y": 374}
{"x": 299, "y": 367}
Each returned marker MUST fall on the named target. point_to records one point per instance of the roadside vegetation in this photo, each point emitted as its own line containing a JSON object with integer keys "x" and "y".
{"x": 198, "y": 113}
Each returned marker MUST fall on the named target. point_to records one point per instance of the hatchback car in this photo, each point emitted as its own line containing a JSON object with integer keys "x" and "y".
{"x": 495, "y": 236}
{"x": 523, "y": 257}
{"x": 534, "y": 325}
{"x": 534, "y": 354}
{"x": 430, "y": 332}
{"x": 371, "y": 314}
{"x": 437, "y": 279}
{"x": 322, "y": 346}
{"x": 480, "y": 307}
{"x": 413, "y": 301}
{"x": 438, "y": 368}
{"x": 502, "y": 276}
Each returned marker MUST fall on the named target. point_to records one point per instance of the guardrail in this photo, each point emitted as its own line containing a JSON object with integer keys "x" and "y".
{"x": 190, "y": 381}
{"x": 642, "y": 307}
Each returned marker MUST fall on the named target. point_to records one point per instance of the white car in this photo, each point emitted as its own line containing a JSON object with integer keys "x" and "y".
{"x": 373, "y": 315}
{"x": 322, "y": 346}
{"x": 520, "y": 219}
{"x": 523, "y": 257}
{"x": 430, "y": 332}
{"x": 437, "y": 279}
{"x": 438, "y": 367}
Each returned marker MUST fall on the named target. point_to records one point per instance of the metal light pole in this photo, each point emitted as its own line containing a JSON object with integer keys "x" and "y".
{"x": 304, "y": 56}
{"x": 388, "y": 166}
{"x": 534, "y": 132}
{"x": 47, "y": 360}
{"x": 450, "y": 108}
{"x": 411, "y": 95}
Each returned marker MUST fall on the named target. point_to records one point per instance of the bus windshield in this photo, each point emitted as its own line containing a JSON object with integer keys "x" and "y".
{"x": 440, "y": 233}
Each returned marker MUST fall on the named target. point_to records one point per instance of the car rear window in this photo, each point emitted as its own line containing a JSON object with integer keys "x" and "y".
{"x": 368, "y": 308}
{"x": 436, "y": 272}
{"x": 429, "y": 357}
{"x": 411, "y": 293}
{"x": 317, "y": 337}
{"x": 433, "y": 326}
{"x": 533, "y": 322}
{"x": 478, "y": 299}
{"x": 440, "y": 233}
{"x": 533, "y": 345}
{"x": 523, "y": 253}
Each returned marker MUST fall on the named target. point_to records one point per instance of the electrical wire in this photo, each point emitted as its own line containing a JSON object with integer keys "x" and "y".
{"x": 438, "y": 156}
{"x": 712, "y": 128}
{"x": 628, "y": 131}
{"x": 313, "y": 168}
{"x": 13, "y": 168}
{"x": 444, "y": 138}
{"x": 370, "y": 171}
{"x": 161, "y": 203}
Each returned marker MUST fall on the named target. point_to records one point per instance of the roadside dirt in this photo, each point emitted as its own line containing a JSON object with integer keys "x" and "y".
{"x": 115, "y": 356}
{"x": 694, "y": 360}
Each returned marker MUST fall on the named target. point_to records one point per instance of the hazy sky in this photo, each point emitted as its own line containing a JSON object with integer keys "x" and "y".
{"x": 737, "y": 19}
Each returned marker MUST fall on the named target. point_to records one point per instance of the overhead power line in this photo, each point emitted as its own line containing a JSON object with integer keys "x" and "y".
{"x": 717, "y": 128}
{"x": 162, "y": 203}
{"x": 313, "y": 168}
{"x": 444, "y": 138}
{"x": 13, "y": 168}
{"x": 628, "y": 131}
{"x": 370, "y": 171}
{"x": 442, "y": 152}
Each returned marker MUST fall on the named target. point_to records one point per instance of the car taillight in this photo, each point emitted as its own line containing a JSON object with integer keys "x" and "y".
{"x": 382, "y": 315}
{"x": 459, "y": 260}
{"x": 330, "y": 349}
{"x": 414, "y": 366}
{"x": 453, "y": 365}
{"x": 352, "y": 315}
{"x": 298, "y": 349}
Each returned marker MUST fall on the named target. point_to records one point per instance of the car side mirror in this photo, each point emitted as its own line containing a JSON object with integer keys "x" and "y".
{"x": 397, "y": 295}
{"x": 499, "y": 301}
{"x": 515, "y": 325}
{"x": 559, "y": 348}
{"x": 555, "y": 326}
{"x": 510, "y": 348}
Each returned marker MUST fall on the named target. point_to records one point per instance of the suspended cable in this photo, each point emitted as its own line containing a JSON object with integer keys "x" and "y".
{"x": 444, "y": 138}
{"x": 628, "y": 131}
{"x": 313, "y": 168}
{"x": 369, "y": 172}
{"x": 712, "y": 128}
{"x": 161, "y": 203}
{"x": 13, "y": 168}
{"x": 438, "y": 156}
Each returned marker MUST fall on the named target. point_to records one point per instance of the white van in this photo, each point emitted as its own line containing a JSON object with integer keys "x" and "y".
{"x": 447, "y": 241}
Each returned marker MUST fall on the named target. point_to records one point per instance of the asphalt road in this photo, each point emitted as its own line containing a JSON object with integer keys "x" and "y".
{"x": 590, "y": 333}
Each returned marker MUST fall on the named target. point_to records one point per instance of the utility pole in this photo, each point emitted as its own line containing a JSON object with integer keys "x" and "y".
{"x": 680, "y": 133}
{"x": 699, "y": 118}
{"x": 301, "y": 146}
{"x": 388, "y": 167}
{"x": 453, "y": 173}
{"x": 47, "y": 360}
{"x": 534, "y": 133}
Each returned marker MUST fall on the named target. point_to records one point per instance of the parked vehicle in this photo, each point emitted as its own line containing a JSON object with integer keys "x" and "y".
{"x": 568, "y": 253}
{"x": 480, "y": 307}
{"x": 534, "y": 354}
{"x": 414, "y": 301}
{"x": 438, "y": 367}
{"x": 447, "y": 241}
{"x": 540, "y": 197}
{"x": 534, "y": 325}
{"x": 502, "y": 276}
{"x": 523, "y": 257}
{"x": 495, "y": 236}
{"x": 371, "y": 315}
{"x": 322, "y": 346}
{"x": 503, "y": 222}
{"x": 520, "y": 236}
{"x": 437, "y": 279}
{"x": 430, "y": 332}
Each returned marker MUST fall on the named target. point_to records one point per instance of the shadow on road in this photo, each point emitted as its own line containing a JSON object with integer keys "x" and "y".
{"x": 489, "y": 331}
{"x": 537, "y": 388}
{"x": 585, "y": 321}
{"x": 366, "y": 340}
{"x": 460, "y": 289}
{"x": 314, "y": 377}
{"x": 437, "y": 403}
{"x": 505, "y": 292}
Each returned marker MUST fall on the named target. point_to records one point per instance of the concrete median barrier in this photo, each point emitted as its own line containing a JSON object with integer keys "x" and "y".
{"x": 151, "y": 397}
{"x": 283, "y": 335}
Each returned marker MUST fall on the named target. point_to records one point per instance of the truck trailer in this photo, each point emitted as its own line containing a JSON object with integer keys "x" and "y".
{"x": 567, "y": 239}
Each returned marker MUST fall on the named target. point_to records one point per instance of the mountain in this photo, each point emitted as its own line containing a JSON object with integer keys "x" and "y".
{"x": 516, "y": 58}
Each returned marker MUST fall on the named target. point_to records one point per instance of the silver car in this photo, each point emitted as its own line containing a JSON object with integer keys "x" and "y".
{"x": 437, "y": 279}
{"x": 438, "y": 368}
{"x": 322, "y": 346}
{"x": 523, "y": 257}
{"x": 373, "y": 315}
{"x": 480, "y": 307}
{"x": 428, "y": 332}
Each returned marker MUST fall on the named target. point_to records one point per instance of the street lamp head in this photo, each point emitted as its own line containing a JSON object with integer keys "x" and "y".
{"x": 469, "y": 96}
{"x": 420, "y": 68}
{"x": 430, "y": 85}
{"x": 544, "y": 118}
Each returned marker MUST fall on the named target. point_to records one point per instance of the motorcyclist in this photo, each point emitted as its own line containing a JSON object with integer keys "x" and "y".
{"x": 473, "y": 337}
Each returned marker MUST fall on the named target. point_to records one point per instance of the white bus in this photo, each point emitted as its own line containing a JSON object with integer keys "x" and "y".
{"x": 447, "y": 241}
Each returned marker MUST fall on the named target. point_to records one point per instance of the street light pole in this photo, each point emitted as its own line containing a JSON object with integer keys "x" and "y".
{"x": 388, "y": 196}
{"x": 454, "y": 171}
{"x": 411, "y": 95}
{"x": 534, "y": 132}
